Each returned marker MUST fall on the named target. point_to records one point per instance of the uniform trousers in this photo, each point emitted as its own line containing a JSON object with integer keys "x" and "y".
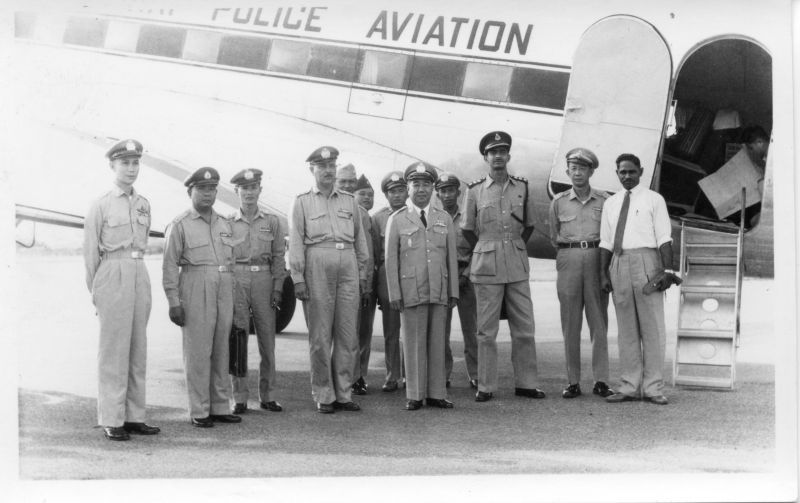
{"x": 206, "y": 295}
{"x": 391, "y": 331}
{"x": 519, "y": 308}
{"x": 640, "y": 320}
{"x": 467, "y": 309}
{"x": 121, "y": 294}
{"x": 365, "y": 322}
{"x": 254, "y": 292}
{"x": 423, "y": 347}
{"x": 578, "y": 287}
{"x": 332, "y": 281}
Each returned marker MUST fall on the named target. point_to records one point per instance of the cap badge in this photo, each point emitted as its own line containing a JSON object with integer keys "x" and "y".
{"x": 394, "y": 177}
{"x": 325, "y": 153}
{"x": 496, "y": 136}
{"x": 420, "y": 168}
{"x": 207, "y": 176}
{"x": 248, "y": 175}
{"x": 444, "y": 178}
{"x": 130, "y": 146}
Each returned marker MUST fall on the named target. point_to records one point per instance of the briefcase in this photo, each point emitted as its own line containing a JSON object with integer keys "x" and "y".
{"x": 237, "y": 340}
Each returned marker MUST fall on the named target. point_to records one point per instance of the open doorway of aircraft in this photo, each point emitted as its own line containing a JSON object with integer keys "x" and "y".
{"x": 388, "y": 83}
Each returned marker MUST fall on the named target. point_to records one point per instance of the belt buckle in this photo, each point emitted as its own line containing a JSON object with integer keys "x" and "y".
{"x": 222, "y": 268}
{"x": 584, "y": 245}
{"x": 340, "y": 246}
{"x": 137, "y": 254}
{"x": 254, "y": 268}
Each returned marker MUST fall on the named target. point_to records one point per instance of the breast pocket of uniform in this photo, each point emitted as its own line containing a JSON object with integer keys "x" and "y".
{"x": 198, "y": 247}
{"x": 568, "y": 225}
{"x": 439, "y": 234}
{"x": 346, "y": 223}
{"x": 117, "y": 228}
{"x": 484, "y": 259}
{"x": 265, "y": 239}
{"x": 487, "y": 214}
{"x": 597, "y": 214}
{"x": 410, "y": 239}
{"x": 317, "y": 226}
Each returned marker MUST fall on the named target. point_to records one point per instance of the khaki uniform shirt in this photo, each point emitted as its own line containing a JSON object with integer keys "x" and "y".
{"x": 115, "y": 221}
{"x": 495, "y": 213}
{"x": 419, "y": 260}
{"x": 261, "y": 242}
{"x": 193, "y": 241}
{"x": 316, "y": 219}
{"x": 573, "y": 220}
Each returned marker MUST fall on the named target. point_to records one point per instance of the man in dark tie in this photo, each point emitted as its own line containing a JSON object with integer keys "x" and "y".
{"x": 636, "y": 250}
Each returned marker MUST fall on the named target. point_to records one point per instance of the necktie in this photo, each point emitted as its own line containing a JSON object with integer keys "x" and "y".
{"x": 623, "y": 217}
{"x": 422, "y": 217}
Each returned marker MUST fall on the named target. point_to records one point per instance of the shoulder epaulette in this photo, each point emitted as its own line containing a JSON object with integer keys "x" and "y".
{"x": 304, "y": 193}
{"x": 519, "y": 178}
{"x": 476, "y": 182}
{"x": 603, "y": 194}
{"x": 561, "y": 194}
{"x": 397, "y": 210}
{"x": 181, "y": 216}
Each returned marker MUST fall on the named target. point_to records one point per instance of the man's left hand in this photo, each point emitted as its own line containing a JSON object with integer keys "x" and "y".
{"x": 277, "y": 297}
{"x": 453, "y": 302}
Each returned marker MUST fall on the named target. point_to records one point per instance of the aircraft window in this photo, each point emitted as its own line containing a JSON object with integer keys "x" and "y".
{"x": 122, "y": 36}
{"x": 289, "y": 56}
{"x": 202, "y": 46}
{"x": 24, "y": 24}
{"x": 333, "y": 62}
{"x": 437, "y": 75}
{"x": 86, "y": 31}
{"x": 540, "y": 88}
{"x": 247, "y": 52}
{"x": 487, "y": 82}
{"x": 161, "y": 41}
{"x": 385, "y": 69}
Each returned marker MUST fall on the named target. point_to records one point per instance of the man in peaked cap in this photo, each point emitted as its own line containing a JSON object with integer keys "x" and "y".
{"x": 328, "y": 261}
{"x": 115, "y": 238}
{"x": 420, "y": 271}
{"x": 575, "y": 217}
{"x": 198, "y": 282}
{"x": 395, "y": 189}
{"x": 448, "y": 190}
{"x": 498, "y": 222}
{"x": 259, "y": 239}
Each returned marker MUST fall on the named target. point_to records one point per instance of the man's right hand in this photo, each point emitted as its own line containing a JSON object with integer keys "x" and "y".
{"x": 177, "y": 316}
{"x": 397, "y": 305}
{"x": 300, "y": 291}
{"x": 463, "y": 282}
{"x": 605, "y": 282}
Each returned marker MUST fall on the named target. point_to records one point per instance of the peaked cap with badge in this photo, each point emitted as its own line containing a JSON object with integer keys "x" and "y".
{"x": 323, "y": 155}
{"x": 246, "y": 177}
{"x": 447, "y": 180}
{"x": 421, "y": 171}
{"x": 125, "y": 148}
{"x": 493, "y": 140}
{"x": 203, "y": 176}
{"x": 583, "y": 156}
{"x": 393, "y": 179}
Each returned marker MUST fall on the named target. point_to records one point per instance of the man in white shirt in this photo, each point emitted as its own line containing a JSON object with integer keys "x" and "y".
{"x": 636, "y": 249}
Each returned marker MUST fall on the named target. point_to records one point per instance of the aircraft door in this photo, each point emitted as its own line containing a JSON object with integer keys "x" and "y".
{"x": 617, "y": 99}
{"x": 381, "y": 86}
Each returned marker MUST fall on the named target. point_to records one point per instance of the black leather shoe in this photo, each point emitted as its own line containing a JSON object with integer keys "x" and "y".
{"x": 271, "y": 406}
{"x": 240, "y": 408}
{"x": 225, "y": 418}
{"x": 602, "y": 389}
{"x": 620, "y": 397}
{"x": 442, "y": 403}
{"x": 359, "y": 387}
{"x": 413, "y": 404}
{"x": 571, "y": 391}
{"x": 325, "y": 408}
{"x": 202, "y": 422}
{"x": 529, "y": 392}
{"x": 389, "y": 386}
{"x": 141, "y": 428}
{"x": 473, "y": 383}
{"x": 116, "y": 433}
{"x": 447, "y": 384}
{"x": 482, "y": 396}
{"x": 346, "y": 406}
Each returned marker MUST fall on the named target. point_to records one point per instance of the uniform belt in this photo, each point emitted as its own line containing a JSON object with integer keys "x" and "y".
{"x": 252, "y": 268}
{"x": 580, "y": 244}
{"x": 125, "y": 253}
{"x": 637, "y": 250}
{"x": 486, "y": 236}
{"x": 219, "y": 268}
{"x": 331, "y": 244}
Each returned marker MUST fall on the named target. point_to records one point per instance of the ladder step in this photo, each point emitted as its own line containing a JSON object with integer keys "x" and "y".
{"x": 711, "y": 259}
{"x": 711, "y": 382}
{"x": 711, "y": 245}
{"x": 698, "y": 333}
{"x": 709, "y": 289}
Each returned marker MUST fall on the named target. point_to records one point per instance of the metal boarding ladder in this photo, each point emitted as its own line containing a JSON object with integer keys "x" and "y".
{"x": 711, "y": 266}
